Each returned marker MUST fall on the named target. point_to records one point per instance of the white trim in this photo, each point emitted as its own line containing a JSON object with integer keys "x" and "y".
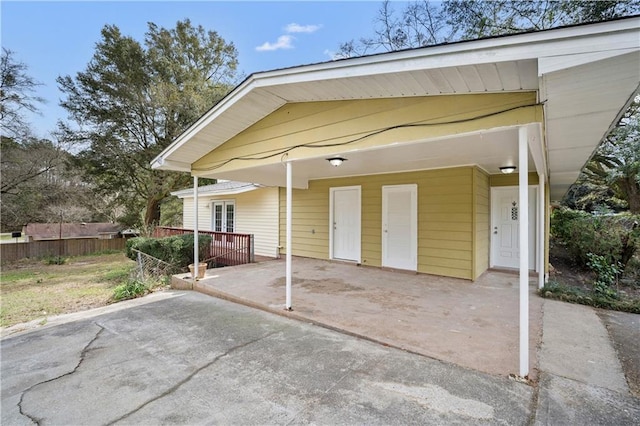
{"x": 358, "y": 228}
{"x": 196, "y": 247}
{"x": 208, "y": 191}
{"x": 517, "y": 47}
{"x": 523, "y": 202}
{"x": 224, "y": 204}
{"x": 289, "y": 215}
{"x": 542, "y": 225}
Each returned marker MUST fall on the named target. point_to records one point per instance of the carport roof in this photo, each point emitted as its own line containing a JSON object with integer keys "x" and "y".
{"x": 585, "y": 75}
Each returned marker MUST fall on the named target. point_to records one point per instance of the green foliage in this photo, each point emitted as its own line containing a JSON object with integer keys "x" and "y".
{"x": 133, "y": 99}
{"x": 614, "y": 237}
{"x": 176, "y": 250}
{"x": 606, "y": 274}
{"x": 612, "y": 176}
{"x": 130, "y": 290}
{"x": 558, "y": 291}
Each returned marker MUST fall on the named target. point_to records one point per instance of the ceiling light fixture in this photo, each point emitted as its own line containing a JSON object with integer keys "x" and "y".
{"x": 507, "y": 169}
{"x": 336, "y": 161}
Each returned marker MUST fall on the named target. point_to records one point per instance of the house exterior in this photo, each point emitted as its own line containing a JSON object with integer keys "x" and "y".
{"x": 239, "y": 207}
{"x": 425, "y": 137}
{"x": 56, "y": 231}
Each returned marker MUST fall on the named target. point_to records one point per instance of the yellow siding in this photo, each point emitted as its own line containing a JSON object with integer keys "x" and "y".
{"x": 344, "y": 121}
{"x": 482, "y": 222}
{"x": 256, "y": 213}
{"x": 445, "y": 218}
{"x": 512, "y": 179}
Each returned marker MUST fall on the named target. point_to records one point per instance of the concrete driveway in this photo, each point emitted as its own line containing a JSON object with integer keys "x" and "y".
{"x": 187, "y": 358}
{"x": 472, "y": 324}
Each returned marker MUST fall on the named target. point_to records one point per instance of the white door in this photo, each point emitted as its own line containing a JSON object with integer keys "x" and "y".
{"x": 345, "y": 223}
{"x": 400, "y": 226}
{"x": 505, "y": 227}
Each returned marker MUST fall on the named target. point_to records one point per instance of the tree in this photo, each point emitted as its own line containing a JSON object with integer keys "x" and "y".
{"x": 424, "y": 23}
{"x": 17, "y": 89}
{"x": 133, "y": 99}
{"x": 615, "y": 166}
{"x": 35, "y": 177}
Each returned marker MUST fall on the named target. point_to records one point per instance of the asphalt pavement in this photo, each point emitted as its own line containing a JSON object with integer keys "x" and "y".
{"x": 192, "y": 359}
{"x": 187, "y": 358}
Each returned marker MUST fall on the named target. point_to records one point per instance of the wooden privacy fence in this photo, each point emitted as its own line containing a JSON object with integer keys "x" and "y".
{"x": 10, "y": 252}
{"x": 226, "y": 248}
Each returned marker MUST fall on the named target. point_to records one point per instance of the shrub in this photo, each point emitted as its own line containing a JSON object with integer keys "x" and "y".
{"x": 614, "y": 237}
{"x": 130, "y": 290}
{"x": 176, "y": 250}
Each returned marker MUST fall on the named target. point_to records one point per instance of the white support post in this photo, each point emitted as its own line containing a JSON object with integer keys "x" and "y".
{"x": 523, "y": 210}
{"x": 196, "y": 261}
{"x": 542, "y": 223}
{"x": 287, "y": 305}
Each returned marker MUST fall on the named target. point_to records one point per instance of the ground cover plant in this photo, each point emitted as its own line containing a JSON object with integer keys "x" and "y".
{"x": 34, "y": 289}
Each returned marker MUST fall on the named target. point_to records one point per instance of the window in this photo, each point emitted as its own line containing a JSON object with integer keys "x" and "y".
{"x": 224, "y": 216}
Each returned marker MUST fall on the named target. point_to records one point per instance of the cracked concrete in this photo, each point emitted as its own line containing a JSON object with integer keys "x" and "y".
{"x": 188, "y": 378}
{"x": 80, "y": 360}
{"x": 193, "y": 359}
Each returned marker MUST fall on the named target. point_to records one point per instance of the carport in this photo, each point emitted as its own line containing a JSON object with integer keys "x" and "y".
{"x": 474, "y": 325}
{"x": 430, "y": 129}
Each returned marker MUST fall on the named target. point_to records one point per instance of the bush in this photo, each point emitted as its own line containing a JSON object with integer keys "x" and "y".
{"x": 614, "y": 237}
{"x": 130, "y": 290}
{"x": 176, "y": 250}
{"x": 606, "y": 275}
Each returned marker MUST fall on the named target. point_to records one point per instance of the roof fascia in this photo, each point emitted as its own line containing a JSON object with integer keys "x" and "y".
{"x": 454, "y": 54}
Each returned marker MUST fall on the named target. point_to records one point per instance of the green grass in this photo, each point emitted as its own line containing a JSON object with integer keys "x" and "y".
{"x": 33, "y": 290}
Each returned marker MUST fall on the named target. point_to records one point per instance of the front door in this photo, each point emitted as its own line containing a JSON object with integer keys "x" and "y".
{"x": 505, "y": 227}
{"x": 345, "y": 223}
{"x": 400, "y": 226}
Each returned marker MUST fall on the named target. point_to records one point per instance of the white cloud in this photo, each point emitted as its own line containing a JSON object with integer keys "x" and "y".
{"x": 334, "y": 56}
{"x": 284, "y": 42}
{"x": 297, "y": 28}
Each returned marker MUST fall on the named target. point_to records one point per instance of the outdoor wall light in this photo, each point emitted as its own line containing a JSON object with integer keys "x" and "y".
{"x": 507, "y": 169}
{"x": 336, "y": 161}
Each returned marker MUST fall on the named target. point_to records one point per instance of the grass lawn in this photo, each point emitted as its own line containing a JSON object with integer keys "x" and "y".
{"x": 31, "y": 289}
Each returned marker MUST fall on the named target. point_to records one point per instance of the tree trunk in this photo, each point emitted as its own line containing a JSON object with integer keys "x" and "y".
{"x": 152, "y": 214}
{"x": 632, "y": 190}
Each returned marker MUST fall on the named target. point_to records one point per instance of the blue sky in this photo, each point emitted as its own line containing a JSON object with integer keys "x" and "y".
{"x": 58, "y": 38}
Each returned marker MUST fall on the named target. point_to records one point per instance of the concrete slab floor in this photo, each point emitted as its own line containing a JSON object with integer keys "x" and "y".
{"x": 471, "y": 324}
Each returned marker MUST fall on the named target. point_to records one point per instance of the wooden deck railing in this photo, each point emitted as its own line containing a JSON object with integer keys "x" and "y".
{"x": 226, "y": 248}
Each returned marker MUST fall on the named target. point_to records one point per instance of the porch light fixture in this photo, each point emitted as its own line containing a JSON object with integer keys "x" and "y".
{"x": 336, "y": 161}
{"x": 507, "y": 169}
